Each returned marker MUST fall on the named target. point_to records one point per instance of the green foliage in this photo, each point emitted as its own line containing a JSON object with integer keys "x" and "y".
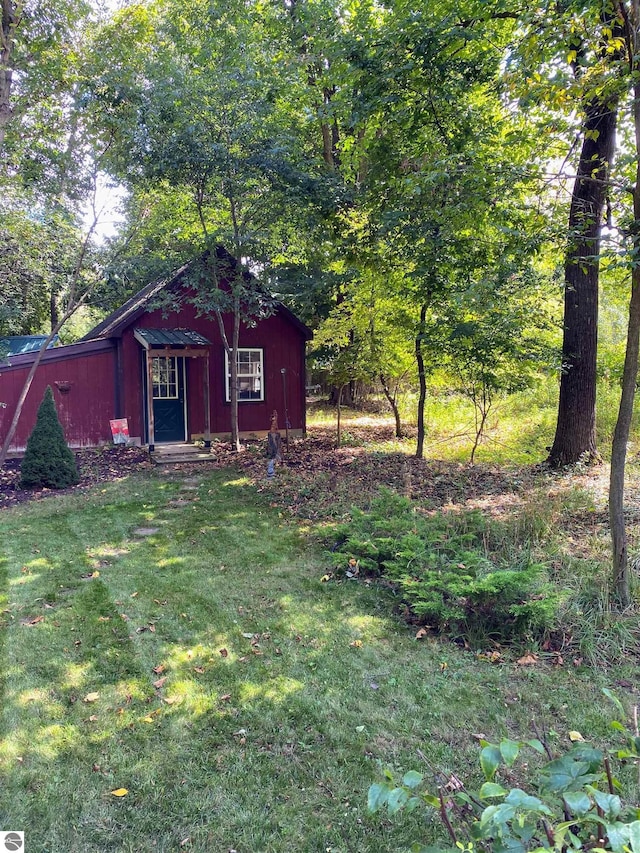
{"x": 48, "y": 461}
{"x": 441, "y": 567}
{"x": 576, "y": 805}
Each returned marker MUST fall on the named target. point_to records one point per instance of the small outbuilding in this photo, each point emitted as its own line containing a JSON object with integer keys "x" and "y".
{"x": 162, "y": 366}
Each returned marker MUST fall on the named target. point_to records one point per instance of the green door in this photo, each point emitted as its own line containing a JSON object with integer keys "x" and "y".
{"x": 169, "y": 417}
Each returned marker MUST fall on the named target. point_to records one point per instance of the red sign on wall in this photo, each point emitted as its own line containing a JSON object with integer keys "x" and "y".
{"x": 120, "y": 430}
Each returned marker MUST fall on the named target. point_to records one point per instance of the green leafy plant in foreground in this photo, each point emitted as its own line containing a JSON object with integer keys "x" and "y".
{"x": 441, "y": 566}
{"x": 576, "y": 804}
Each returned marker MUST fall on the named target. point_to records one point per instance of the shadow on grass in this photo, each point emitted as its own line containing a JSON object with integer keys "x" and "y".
{"x": 205, "y": 668}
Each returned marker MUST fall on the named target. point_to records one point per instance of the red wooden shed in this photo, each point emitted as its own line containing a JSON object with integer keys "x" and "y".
{"x": 166, "y": 371}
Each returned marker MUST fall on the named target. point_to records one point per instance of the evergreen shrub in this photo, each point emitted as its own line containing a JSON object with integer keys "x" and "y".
{"x": 48, "y": 460}
{"x": 441, "y": 566}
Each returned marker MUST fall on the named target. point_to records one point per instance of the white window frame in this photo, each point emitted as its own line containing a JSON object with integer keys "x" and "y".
{"x": 256, "y": 378}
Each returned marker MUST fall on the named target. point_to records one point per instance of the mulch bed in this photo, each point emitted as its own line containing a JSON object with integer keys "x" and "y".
{"x": 95, "y": 466}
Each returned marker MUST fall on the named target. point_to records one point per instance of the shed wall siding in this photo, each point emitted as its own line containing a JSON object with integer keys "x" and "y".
{"x": 84, "y": 411}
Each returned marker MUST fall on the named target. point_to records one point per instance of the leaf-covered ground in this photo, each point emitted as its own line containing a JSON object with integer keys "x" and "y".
{"x": 95, "y": 466}
{"x": 316, "y": 480}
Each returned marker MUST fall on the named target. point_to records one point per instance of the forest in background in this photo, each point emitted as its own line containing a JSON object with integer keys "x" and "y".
{"x": 441, "y": 191}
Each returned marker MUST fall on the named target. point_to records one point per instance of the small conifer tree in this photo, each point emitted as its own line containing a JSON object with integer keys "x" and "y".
{"x": 48, "y": 461}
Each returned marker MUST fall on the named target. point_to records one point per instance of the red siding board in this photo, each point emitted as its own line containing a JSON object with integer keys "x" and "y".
{"x": 84, "y": 410}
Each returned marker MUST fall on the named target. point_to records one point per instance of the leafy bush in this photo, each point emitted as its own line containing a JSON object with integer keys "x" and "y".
{"x": 576, "y": 804}
{"x": 48, "y": 461}
{"x": 441, "y": 567}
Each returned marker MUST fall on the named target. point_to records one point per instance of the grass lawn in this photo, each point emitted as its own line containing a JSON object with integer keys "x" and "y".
{"x": 172, "y": 636}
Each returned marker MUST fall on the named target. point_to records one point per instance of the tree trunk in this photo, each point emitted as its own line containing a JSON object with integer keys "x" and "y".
{"x": 575, "y": 436}
{"x": 235, "y": 433}
{"x": 621, "y": 584}
{"x": 10, "y": 20}
{"x": 339, "y": 417}
{"x": 29, "y": 380}
{"x": 392, "y": 399}
{"x": 619, "y": 447}
{"x": 74, "y": 302}
{"x": 422, "y": 379}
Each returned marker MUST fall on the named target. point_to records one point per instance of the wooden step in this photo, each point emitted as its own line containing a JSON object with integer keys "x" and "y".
{"x": 168, "y": 454}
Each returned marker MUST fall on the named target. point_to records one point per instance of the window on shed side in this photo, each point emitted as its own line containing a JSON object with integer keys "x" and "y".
{"x": 250, "y": 374}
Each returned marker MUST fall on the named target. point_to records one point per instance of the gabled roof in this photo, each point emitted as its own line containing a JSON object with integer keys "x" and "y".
{"x": 113, "y": 325}
{"x": 123, "y": 316}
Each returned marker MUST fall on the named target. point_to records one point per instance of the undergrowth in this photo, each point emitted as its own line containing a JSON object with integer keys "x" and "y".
{"x": 442, "y": 567}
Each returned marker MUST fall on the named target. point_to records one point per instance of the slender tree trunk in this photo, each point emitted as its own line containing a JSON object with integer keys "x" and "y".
{"x": 619, "y": 447}
{"x": 392, "y": 399}
{"x": 74, "y": 302}
{"x": 11, "y": 14}
{"x": 575, "y": 436}
{"x": 30, "y": 377}
{"x": 422, "y": 380}
{"x": 621, "y": 580}
{"x": 339, "y": 417}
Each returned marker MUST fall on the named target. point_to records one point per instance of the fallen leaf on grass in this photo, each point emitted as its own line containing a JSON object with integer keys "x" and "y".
{"x": 160, "y": 682}
{"x": 159, "y": 669}
{"x": 120, "y": 792}
{"x": 91, "y": 697}
{"x": 93, "y": 718}
{"x": 357, "y": 644}
{"x": 31, "y": 620}
{"x": 421, "y": 634}
{"x": 199, "y": 669}
{"x": 224, "y": 653}
{"x": 575, "y": 737}
{"x": 172, "y": 700}
{"x": 527, "y": 660}
{"x": 104, "y": 618}
{"x": 226, "y": 697}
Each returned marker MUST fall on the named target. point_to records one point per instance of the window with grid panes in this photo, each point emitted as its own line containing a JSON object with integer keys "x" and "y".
{"x": 250, "y": 374}
{"x": 164, "y": 373}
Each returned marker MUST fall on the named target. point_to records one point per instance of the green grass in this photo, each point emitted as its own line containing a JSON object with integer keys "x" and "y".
{"x": 283, "y": 693}
{"x": 519, "y": 431}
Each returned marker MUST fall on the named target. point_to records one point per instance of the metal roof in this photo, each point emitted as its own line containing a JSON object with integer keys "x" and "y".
{"x": 18, "y": 344}
{"x": 152, "y": 338}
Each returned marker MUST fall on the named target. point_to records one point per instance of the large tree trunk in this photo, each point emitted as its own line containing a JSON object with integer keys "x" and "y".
{"x": 422, "y": 380}
{"x": 575, "y": 436}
